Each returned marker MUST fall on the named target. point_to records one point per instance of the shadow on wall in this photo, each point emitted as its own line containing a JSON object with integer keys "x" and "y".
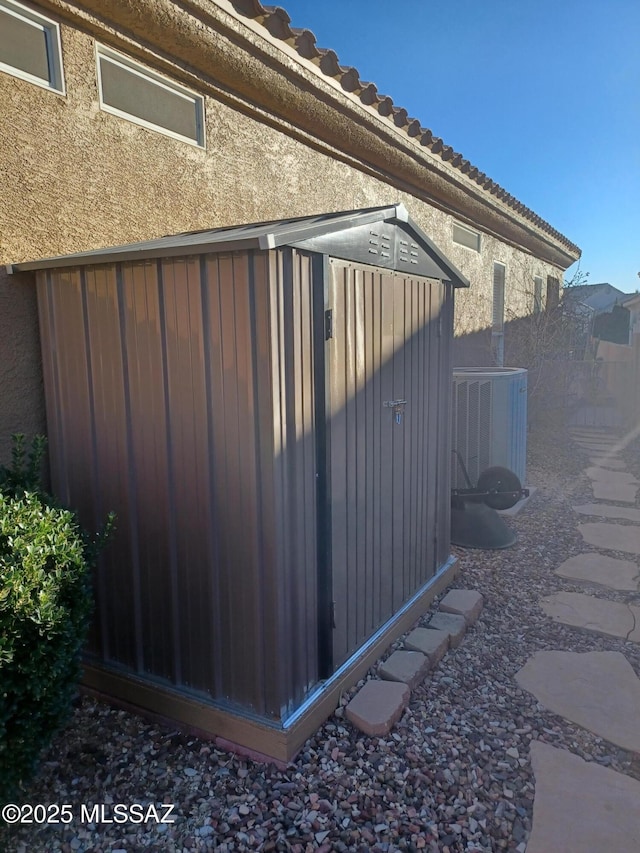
{"x": 473, "y": 349}
{"x": 21, "y": 395}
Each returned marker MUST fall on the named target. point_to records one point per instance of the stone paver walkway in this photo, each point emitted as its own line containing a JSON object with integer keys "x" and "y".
{"x": 609, "y": 511}
{"x": 581, "y": 807}
{"x": 597, "y": 690}
{"x": 611, "y": 618}
{"x": 608, "y": 462}
{"x": 601, "y": 570}
{"x": 612, "y": 537}
{"x": 596, "y": 812}
{"x": 622, "y": 492}
{"x": 594, "y": 472}
{"x": 600, "y": 447}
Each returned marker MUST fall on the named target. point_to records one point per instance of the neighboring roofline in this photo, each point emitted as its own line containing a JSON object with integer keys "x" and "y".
{"x": 257, "y": 236}
{"x": 227, "y": 50}
{"x": 630, "y": 297}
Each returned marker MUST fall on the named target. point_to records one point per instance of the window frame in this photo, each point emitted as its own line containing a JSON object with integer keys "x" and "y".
{"x": 53, "y": 42}
{"x": 151, "y": 76}
{"x": 465, "y": 228}
{"x": 497, "y": 323}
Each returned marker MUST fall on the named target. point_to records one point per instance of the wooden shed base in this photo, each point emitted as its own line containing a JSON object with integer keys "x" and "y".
{"x": 251, "y": 736}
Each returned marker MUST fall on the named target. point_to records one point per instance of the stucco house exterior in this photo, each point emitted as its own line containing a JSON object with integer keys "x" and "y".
{"x": 134, "y": 120}
{"x": 245, "y": 119}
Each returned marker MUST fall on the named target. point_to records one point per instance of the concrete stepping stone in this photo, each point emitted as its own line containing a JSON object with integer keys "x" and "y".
{"x": 580, "y": 806}
{"x": 614, "y": 537}
{"x": 608, "y": 462}
{"x": 597, "y": 690}
{"x": 587, "y": 428}
{"x": 611, "y": 618}
{"x": 601, "y": 570}
{"x": 408, "y": 667}
{"x": 603, "y": 446}
{"x": 605, "y": 475}
{"x": 463, "y": 602}
{"x": 614, "y": 492}
{"x": 377, "y": 706}
{"x": 454, "y": 625}
{"x": 430, "y": 642}
{"x": 605, "y": 436}
{"x": 609, "y": 511}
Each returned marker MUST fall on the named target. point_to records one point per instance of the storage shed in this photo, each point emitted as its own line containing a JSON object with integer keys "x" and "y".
{"x": 267, "y": 410}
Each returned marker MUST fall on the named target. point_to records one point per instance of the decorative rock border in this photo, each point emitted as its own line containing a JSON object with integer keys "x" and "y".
{"x": 379, "y": 704}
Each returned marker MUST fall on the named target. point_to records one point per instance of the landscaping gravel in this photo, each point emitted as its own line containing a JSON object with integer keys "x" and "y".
{"x": 453, "y": 775}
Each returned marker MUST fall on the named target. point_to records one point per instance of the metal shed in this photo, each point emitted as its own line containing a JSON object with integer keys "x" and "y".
{"x": 267, "y": 410}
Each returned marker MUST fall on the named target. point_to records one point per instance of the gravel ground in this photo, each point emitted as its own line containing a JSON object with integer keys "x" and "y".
{"x": 454, "y": 774}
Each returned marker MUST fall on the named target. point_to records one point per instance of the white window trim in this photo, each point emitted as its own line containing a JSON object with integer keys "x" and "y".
{"x": 160, "y": 80}
{"x": 51, "y": 29}
{"x": 466, "y": 228}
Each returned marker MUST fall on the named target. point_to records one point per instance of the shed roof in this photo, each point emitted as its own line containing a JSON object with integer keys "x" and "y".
{"x": 259, "y": 235}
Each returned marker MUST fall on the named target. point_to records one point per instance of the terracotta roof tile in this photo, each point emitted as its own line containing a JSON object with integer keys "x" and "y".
{"x": 369, "y": 94}
{"x": 305, "y": 43}
{"x": 278, "y": 23}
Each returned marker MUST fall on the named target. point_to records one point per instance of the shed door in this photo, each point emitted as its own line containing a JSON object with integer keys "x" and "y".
{"x": 385, "y": 348}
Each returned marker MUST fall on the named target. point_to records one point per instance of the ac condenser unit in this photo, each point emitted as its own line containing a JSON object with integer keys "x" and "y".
{"x": 489, "y": 421}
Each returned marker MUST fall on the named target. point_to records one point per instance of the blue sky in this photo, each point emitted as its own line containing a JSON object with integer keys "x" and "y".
{"x": 543, "y": 96}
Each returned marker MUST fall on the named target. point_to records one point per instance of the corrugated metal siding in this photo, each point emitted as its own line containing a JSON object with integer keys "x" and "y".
{"x": 387, "y": 481}
{"x": 295, "y": 483}
{"x": 180, "y": 395}
{"x": 150, "y": 561}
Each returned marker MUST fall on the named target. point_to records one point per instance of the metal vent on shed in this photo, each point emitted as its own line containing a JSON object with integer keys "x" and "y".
{"x": 408, "y": 253}
{"x": 379, "y": 244}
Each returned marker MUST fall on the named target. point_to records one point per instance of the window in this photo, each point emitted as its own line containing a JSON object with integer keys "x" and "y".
{"x": 466, "y": 237}
{"x": 30, "y": 46}
{"x": 497, "y": 317}
{"x": 537, "y": 294}
{"x": 131, "y": 91}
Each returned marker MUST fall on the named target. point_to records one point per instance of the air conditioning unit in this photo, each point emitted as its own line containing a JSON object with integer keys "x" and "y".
{"x": 489, "y": 421}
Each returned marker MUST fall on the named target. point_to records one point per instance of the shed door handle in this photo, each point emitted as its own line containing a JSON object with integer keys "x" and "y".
{"x": 398, "y": 408}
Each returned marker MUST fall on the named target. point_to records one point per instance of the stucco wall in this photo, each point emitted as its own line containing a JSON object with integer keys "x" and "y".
{"x": 75, "y": 177}
{"x": 21, "y": 395}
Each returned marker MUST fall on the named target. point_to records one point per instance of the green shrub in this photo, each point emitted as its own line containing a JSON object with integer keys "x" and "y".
{"x": 45, "y": 606}
{"x": 24, "y": 473}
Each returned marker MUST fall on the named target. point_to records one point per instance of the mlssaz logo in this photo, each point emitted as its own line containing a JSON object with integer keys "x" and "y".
{"x": 124, "y": 813}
